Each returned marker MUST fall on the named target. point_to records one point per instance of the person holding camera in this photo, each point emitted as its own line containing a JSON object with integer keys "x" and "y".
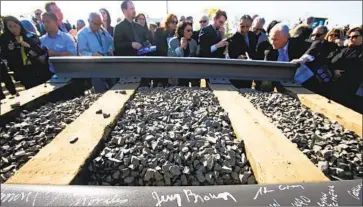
{"x": 94, "y": 40}
{"x": 24, "y": 54}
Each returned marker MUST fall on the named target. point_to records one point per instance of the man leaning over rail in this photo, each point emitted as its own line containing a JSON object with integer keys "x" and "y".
{"x": 93, "y": 40}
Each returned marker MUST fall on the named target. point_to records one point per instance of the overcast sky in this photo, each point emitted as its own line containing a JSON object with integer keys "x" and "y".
{"x": 338, "y": 12}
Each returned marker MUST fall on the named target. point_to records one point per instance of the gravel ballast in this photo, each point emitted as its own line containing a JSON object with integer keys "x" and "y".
{"x": 22, "y": 139}
{"x": 334, "y": 150}
{"x": 174, "y": 136}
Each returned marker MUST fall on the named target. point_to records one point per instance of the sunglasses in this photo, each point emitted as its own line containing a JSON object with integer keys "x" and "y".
{"x": 189, "y": 30}
{"x": 141, "y": 19}
{"x": 38, "y": 14}
{"x": 203, "y": 21}
{"x": 174, "y": 22}
{"x": 316, "y": 35}
{"x": 353, "y": 37}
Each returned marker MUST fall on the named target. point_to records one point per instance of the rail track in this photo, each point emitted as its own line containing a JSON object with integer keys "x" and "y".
{"x": 188, "y": 138}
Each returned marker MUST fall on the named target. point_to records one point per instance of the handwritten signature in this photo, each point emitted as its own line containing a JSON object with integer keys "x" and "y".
{"x": 263, "y": 190}
{"x": 191, "y": 197}
{"x": 329, "y": 201}
{"x": 355, "y": 191}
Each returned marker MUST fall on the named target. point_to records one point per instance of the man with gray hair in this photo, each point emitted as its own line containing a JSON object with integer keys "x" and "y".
{"x": 93, "y": 40}
{"x": 203, "y": 22}
{"x": 310, "y": 21}
{"x": 284, "y": 49}
{"x": 257, "y": 28}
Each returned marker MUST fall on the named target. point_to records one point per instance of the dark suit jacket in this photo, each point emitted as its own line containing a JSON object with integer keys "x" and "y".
{"x": 207, "y": 38}
{"x": 195, "y": 36}
{"x": 161, "y": 42}
{"x": 296, "y": 49}
{"x": 238, "y": 46}
{"x": 124, "y": 36}
{"x": 323, "y": 51}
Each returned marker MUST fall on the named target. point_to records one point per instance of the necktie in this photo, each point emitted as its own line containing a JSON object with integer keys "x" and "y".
{"x": 246, "y": 40}
{"x": 218, "y": 34}
{"x": 283, "y": 55}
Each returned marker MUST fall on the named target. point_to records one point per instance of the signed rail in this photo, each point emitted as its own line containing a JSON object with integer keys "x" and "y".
{"x": 342, "y": 193}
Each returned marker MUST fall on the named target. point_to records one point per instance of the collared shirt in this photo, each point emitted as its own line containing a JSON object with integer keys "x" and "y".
{"x": 283, "y": 54}
{"x": 213, "y": 48}
{"x": 62, "y": 42}
{"x": 90, "y": 42}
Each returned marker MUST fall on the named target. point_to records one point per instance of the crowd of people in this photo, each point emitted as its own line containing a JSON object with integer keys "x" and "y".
{"x": 332, "y": 60}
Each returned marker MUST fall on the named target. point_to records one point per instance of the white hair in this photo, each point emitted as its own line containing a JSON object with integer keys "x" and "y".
{"x": 92, "y": 15}
{"x": 257, "y": 20}
{"x": 282, "y": 28}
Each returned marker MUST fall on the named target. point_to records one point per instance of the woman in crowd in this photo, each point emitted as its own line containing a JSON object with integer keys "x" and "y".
{"x": 335, "y": 35}
{"x": 141, "y": 20}
{"x": 182, "y": 45}
{"x": 24, "y": 54}
{"x": 162, "y": 38}
{"x": 348, "y": 71}
{"x": 107, "y": 21}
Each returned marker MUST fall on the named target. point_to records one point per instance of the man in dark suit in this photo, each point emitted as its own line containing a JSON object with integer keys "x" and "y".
{"x": 128, "y": 35}
{"x": 284, "y": 49}
{"x": 211, "y": 38}
{"x": 242, "y": 45}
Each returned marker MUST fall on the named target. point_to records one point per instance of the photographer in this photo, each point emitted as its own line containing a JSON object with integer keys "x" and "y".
{"x": 24, "y": 54}
{"x": 93, "y": 40}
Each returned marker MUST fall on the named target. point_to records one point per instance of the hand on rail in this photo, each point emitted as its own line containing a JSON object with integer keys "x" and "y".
{"x": 136, "y": 45}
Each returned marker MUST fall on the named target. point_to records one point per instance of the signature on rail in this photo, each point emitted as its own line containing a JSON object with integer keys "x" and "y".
{"x": 263, "y": 190}
{"x": 355, "y": 191}
{"x": 191, "y": 197}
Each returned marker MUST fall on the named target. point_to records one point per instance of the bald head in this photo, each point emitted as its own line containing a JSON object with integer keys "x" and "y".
{"x": 279, "y": 36}
{"x": 319, "y": 33}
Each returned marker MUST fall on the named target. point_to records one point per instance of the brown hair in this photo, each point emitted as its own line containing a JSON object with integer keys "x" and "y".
{"x": 167, "y": 20}
{"x": 334, "y": 31}
{"x": 50, "y": 15}
{"x": 220, "y": 13}
{"x": 48, "y": 5}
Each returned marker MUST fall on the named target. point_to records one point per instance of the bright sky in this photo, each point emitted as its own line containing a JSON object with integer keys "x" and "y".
{"x": 338, "y": 12}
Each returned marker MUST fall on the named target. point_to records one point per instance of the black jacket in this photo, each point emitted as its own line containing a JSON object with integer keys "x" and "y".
{"x": 207, "y": 38}
{"x": 238, "y": 46}
{"x": 195, "y": 36}
{"x": 14, "y": 56}
{"x": 161, "y": 41}
{"x": 124, "y": 36}
{"x": 350, "y": 60}
{"x": 323, "y": 51}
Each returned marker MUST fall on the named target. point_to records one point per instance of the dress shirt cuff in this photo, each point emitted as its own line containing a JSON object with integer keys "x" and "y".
{"x": 179, "y": 52}
{"x": 213, "y": 48}
{"x": 307, "y": 58}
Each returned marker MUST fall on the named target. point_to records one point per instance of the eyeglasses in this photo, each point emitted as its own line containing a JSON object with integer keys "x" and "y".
{"x": 353, "y": 37}
{"x": 203, "y": 21}
{"x": 38, "y": 14}
{"x": 96, "y": 24}
{"x": 174, "y": 22}
{"x": 189, "y": 30}
{"x": 244, "y": 27}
